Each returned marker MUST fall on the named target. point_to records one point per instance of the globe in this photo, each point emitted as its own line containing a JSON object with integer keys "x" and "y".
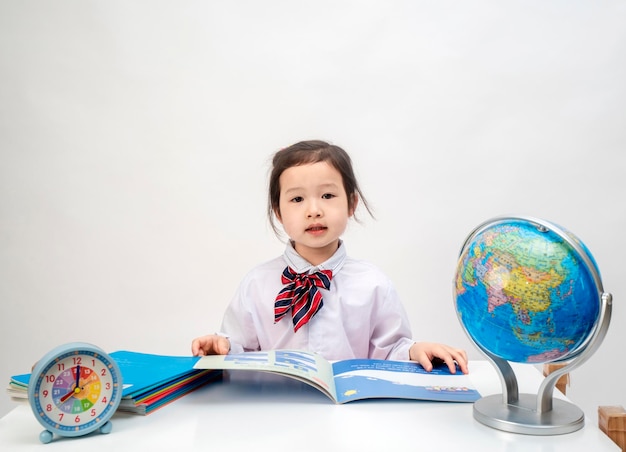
{"x": 527, "y": 290}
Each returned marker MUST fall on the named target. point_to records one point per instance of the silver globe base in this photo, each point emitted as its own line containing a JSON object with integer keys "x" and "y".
{"x": 539, "y": 414}
{"x": 522, "y": 417}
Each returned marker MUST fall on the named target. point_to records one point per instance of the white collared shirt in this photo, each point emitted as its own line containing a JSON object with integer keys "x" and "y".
{"x": 362, "y": 316}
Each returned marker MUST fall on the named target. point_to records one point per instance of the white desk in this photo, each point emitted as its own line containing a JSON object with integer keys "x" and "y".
{"x": 263, "y": 412}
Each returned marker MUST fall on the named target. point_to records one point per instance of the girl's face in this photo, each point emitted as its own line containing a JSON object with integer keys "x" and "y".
{"x": 313, "y": 209}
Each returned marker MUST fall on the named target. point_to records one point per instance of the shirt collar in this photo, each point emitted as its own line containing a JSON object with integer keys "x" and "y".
{"x": 301, "y": 265}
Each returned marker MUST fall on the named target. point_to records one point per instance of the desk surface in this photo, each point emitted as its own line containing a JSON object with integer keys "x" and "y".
{"x": 264, "y": 411}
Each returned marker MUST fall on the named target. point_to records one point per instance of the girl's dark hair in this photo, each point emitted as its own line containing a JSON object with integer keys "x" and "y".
{"x": 306, "y": 152}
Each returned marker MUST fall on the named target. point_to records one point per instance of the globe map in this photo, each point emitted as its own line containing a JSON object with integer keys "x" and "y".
{"x": 524, "y": 293}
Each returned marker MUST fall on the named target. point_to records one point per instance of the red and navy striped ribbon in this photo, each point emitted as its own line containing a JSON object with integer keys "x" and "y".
{"x": 301, "y": 295}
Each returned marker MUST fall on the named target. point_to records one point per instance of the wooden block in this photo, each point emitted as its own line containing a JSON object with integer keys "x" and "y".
{"x": 563, "y": 382}
{"x": 612, "y": 421}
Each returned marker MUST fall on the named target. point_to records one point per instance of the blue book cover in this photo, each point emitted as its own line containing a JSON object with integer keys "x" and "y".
{"x": 142, "y": 372}
{"x": 149, "y": 381}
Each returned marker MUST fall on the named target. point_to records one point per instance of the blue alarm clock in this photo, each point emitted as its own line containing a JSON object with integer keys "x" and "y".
{"x": 74, "y": 389}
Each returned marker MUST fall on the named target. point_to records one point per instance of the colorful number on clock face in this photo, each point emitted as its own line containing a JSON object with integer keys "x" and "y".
{"x": 76, "y": 390}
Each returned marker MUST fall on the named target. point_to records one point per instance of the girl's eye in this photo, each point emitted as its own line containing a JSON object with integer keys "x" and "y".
{"x": 328, "y": 196}
{"x": 297, "y": 199}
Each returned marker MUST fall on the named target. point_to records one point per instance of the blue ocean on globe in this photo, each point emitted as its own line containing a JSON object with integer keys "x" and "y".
{"x": 524, "y": 293}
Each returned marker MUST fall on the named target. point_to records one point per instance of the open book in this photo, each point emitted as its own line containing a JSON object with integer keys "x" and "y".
{"x": 354, "y": 379}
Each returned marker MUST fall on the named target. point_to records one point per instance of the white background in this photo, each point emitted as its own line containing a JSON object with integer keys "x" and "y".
{"x": 135, "y": 138}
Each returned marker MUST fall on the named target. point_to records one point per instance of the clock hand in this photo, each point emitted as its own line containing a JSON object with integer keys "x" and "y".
{"x": 68, "y": 395}
{"x": 76, "y": 389}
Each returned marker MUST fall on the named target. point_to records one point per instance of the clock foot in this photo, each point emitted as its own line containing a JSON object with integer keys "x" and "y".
{"x": 45, "y": 436}
{"x": 106, "y": 428}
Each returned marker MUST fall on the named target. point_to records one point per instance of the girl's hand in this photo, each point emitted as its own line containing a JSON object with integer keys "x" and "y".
{"x": 211, "y": 344}
{"x": 425, "y": 352}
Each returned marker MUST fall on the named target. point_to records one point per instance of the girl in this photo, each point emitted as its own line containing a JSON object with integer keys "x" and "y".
{"x": 314, "y": 297}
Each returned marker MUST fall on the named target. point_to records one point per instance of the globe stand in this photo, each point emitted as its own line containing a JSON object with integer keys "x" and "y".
{"x": 539, "y": 414}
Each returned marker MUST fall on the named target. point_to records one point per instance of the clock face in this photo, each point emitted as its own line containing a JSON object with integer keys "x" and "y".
{"x": 75, "y": 391}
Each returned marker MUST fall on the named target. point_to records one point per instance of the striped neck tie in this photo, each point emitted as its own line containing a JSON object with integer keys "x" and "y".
{"x": 301, "y": 295}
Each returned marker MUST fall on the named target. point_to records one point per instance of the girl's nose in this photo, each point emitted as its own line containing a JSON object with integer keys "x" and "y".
{"x": 314, "y": 211}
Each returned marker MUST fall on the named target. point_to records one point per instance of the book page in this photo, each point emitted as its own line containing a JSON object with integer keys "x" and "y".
{"x": 307, "y": 367}
{"x": 367, "y": 378}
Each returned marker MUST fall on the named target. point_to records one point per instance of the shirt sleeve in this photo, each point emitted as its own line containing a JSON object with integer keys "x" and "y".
{"x": 238, "y": 322}
{"x": 391, "y": 335}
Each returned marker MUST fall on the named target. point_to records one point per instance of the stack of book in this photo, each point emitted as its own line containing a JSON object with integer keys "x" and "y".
{"x": 150, "y": 381}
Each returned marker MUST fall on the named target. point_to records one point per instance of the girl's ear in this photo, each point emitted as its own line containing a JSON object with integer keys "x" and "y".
{"x": 277, "y": 214}
{"x": 355, "y": 202}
